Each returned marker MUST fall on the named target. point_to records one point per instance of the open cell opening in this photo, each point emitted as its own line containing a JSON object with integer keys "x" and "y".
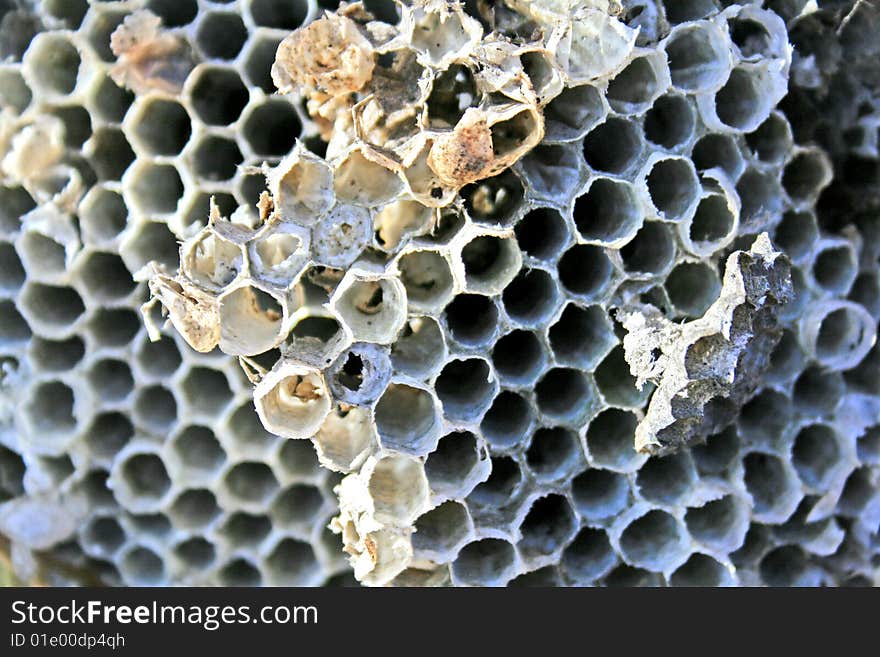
{"x": 239, "y": 572}
{"x": 54, "y": 355}
{"x": 673, "y": 186}
{"x": 111, "y": 379}
{"x": 216, "y": 159}
{"x": 697, "y": 58}
{"x": 77, "y": 125}
{"x": 494, "y": 200}
{"x": 206, "y": 391}
{"x": 250, "y": 321}
{"x": 174, "y": 13}
{"x": 292, "y": 563}
{"x": 50, "y": 408}
{"x": 719, "y": 523}
{"x": 609, "y": 211}
{"x": 613, "y": 146}
{"x": 486, "y": 562}
{"x": 713, "y": 221}
{"x": 785, "y": 566}
{"x": 683, "y": 11}
{"x": 806, "y": 175}
{"x": 581, "y": 336}
{"x": 490, "y": 263}
{"x": 272, "y": 128}
{"x": 519, "y": 356}
{"x": 547, "y": 527}
{"x": 616, "y": 382}
{"x": 772, "y": 140}
{"x": 700, "y": 570}
{"x": 670, "y": 122}
{"x": 542, "y": 233}
{"x": 156, "y": 408}
{"x": 442, "y": 529}
{"x": 427, "y": 279}
{"x": 453, "y": 462}
{"x": 714, "y": 150}
{"x": 761, "y": 197}
{"x": 589, "y": 556}
{"x": 751, "y": 37}
{"x": 653, "y": 540}
{"x": 219, "y": 96}
{"x": 103, "y": 535}
{"x": 142, "y": 567}
{"x": 157, "y": 189}
{"x": 13, "y": 327}
{"x": 573, "y": 112}
{"x": 666, "y": 479}
{"x": 114, "y": 326}
{"x": 585, "y": 270}
{"x": 599, "y": 494}
{"x": 610, "y": 439}
{"x": 419, "y": 348}
{"x": 472, "y": 319}
{"x": 12, "y": 273}
{"x": 103, "y": 214}
{"x": 196, "y": 553}
{"x": 198, "y": 449}
{"x": 58, "y": 307}
{"x": 298, "y": 505}
{"x": 739, "y": 103}
{"x": 14, "y": 203}
{"x": 406, "y": 419}
{"x": 399, "y": 489}
{"x": 258, "y": 64}
{"x": 164, "y": 127}
{"x": 281, "y": 14}
{"x": 106, "y": 277}
{"x": 634, "y": 87}
{"x": 564, "y": 393}
{"x": 767, "y": 480}
{"x": 111, "y": 153}
{"x": 111, "y": 102}
{"x": 530, "y": 297}
{"x": 54, "y": 63}
{"x": 501, "y": 485}
{"x": 815, "y": 453}
{"x": 221, "y": 35}
{"x": 651, "y": 251}
{"x": 554, "y": 453}
{"x": 144, "y": 477}
{"x": 507, "y": 421}
{"x": 194, "y": 509}
{"x": 835, "y": 268}
{"x": 765, "y": 417}
{"x": 818, "y": 392}
{"x": 845, "y": 336}
{"x": 693, "y": 287}
{"x": 245, "y": 529}
{"x": 465, "y": 388}
{"x": 251, "y": 482}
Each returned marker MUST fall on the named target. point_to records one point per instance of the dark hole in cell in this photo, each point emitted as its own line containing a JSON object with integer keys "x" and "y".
{"x": 352, "y": 374}
{"x": 273, "y": 128}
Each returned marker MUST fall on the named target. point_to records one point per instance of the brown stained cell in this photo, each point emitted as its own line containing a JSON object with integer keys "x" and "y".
{"x": 149, "y": 58}
{"x": 464, "y": 155}
{"x": 329, "y": 56}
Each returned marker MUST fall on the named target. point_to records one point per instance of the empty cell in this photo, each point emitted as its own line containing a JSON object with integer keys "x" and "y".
{"x": 156, "y": 408}
{"x": 52, "y": 355}
{"x": 440, "y": 531}
{"x": 198, "y": 449}
{"x": 399, "y": 490}
{"x": 158, "y": 359}
{"x": 245, "y": 529}
{"x": 610, "y": 439}
{"x": 195, "y": 553}
{"x": 12, "y": 274}
{"x": 239, "y": 572}
{"x": 250, "y": 321}
{"x": 110, "y": 101}
{"x": 683, "y": 11}
{"x": 720, "y": 524}
{"x": 298, "y": 459}
{"x": 103, "y": 536}
{"x": 651, "y": 251}
{"x": 111, "y": 379}
{"x": 751, "y": 37}
{"x": 53, "y": 64}
{"x": 818, "y": 392}
{"x": 142, "y": 567}
{"x": 666, "y": 479}
{"x": 572, "y": 113}
{"x": 693, "y": 287}
{"x": 472, "y": 319}
{"x": 635, "y": 87}
{"x": 786, "y": 360}
{"x": 216, "y": 159}
{"x": 599, "y": 494}
{"x": 519, "y": 357}
{"x": 786, "y": 566}
{"x": 531, "y": 297}
{"x": 197, "y": 211}
{"x": 868, "y": 446}
{"x": 174, "y": 13}
{"x": 55, "y": 307}
{"x": 419, "y": 348}
{"x": 13, "y": 327}
{"x": 698, "y": 57}
{"x": 15, "y": 202}
{"x": 564, "y": 394}
{"x": 77, "y": 124}
{"x": 554, "y": 453}
{"x": 142, "y": 479}
{"x": 490, "y": 263}
{"x": 494, "y": 200}
{"x": 815, "y": 454}
{"x": 806, "y": 174}
{"x": 194, "y": 509}
{"x": 548, "y": 526}
{"x": 114, "y": 327}
{"x": 452, "y": 465}
{"x": 360, "y": 374}
{"x": 465, "y": 388}
{"x": 488, "y": 562}
{"x": 507, "y": 421}
{"x": 206, "y": 391}
{"x": 258, "y": 62}
{"x": 626, "y": 576}
{"x": 297, "y": 505}
{"x": 609, "y": 212}
{"x": 700, "y": 570}
{"x": 14, "y": 91}
{"x": 246, "y": 431}
{"x": 585, "y": 270}
{"x": 109, "y": 153}
{"x": 373, "y": 310}
{"x": 581, "y": 336}
{"x": 768, "y": 482}
{"x": 713, "y": 221}
{"x": 427, "y": 279}
{"x": 250, "y": 482}
{"x": 542, "y": 233}
{"x": 406, "y": 419}
{"x": 835, "y": 268}
{"x": 670, "y": 122}
{"x": 103, "y": 214}
{"x": 741, "y": 102}
{"x": 292, "y": 563}
{"x": 283, "y": 14}
{"x": 272, "y": 128}
{"x": 654, "y": 541}
{"x": 106, "y": 277}
{"x": 614, "y": 146}
{"x": 616, "y": 382}
{"x": 221, "y": 35}
{"x": 765, "y": 418}
{"x": 673, "y": 187}
{"x": 772, "y": 140}
{"x": 714, "y": 150}
{"x": 163, "y": 127}
{"x": 219, "y": 96}
{"x": 157, "y": 188}
{"x": 761, "y": 198}
{"x": 865, "y": 291}
{"x": 151, "y": 241}
{"x": 863, "y": 377}
{"x": 503, "y": 482}
{"x": 101, "y": 25}
{"x": 589, "y": 556}
{"x": 839, "y": 334}
{"x": 50, "y": 408}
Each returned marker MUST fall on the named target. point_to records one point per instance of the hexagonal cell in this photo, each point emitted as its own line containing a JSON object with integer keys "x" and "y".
{"x": 701, "y": 570}
{"x": 77, "y": 124}
{"x": 666, "y": 479}
{"x": 610, "y": 438}
{"x": 585, "y": 270}
{"x": 761, "y": 196}
{"x": 634, "y": 89}
{"x": 764, "y": 419}
{"x": 114, "y": 327}
{"x": 608, "y": 213}
{"x": 835, "y": 268}
{"x": 542, "y": 233}
{"x": 508, "y": 420}
{"x": 360, "y": 181}
{"x": 14, "y": 91}
{"x": 251, "y": 321}
{"x": 140, "y": 480}
{"x": 250, "y": 484}
{"x": 155, "y": 408}
{"x": 195, "y": 553}
{"x": 297, "y": 506}
{"x": 693, "y": 287}
{"x": 573, "y": 113}
{"x": 815, "y": 455}
{"x": 589, "y": 557}
{"x": 373, "y": 310}
{"x": 47, "y": 355}
{"x": 110, "y": 102}
{"x": 292, "y": 400}
{"x": 162, "y": 126}
{"x": 13, "y": 327}
{"x": 487, "y": 562}
{"x": 216, "y": 159}
{"x": 698, "y": 57}
{"x": 786, "y": 360}
{"x": 218, "y": 95}
{"x": 52, "y": 65}
{"x": 360, "y": 374}
{"x": 239, "y": 572}
{"x": 221, "y": 35}
{"x": 105, "y": 277}
{"x": 427, "y": 277}
{"x": 531, "y": 297}
{"x": 198, "y": 451}
{"x": 109, "y": 153}
{"x": 258, "y": 61}
{"x": 158, "y": 359}
{"x": 194, "y": 509}
{"x": 298, "y": 460}
{"x": 599, "y": 494}
{"x": 501, "y": 486}
{"x": 407, "y": 420}
{"x": 12, "y": 273}
{"x": 456, "y": 465}
{"x": 111, "y": 379}
{"x": 15, "y": 202}
{"x": 617, "y": 384}
{"x": 655, "y": 540}
{"x": 519, "y": 357}
{"x": 142, "y": 567}
{"x": 554, "y": 454}
{"x": 651, "y": 251}
{"x": 465, "y": 389}
{"x": 494, "y": 200}
{"x": 714, "y": 150}
{"x": 564, "y": 394}
{"x": 399, "y": 490}
{"x": 472, "y": 319}
{"x": 103, "y": 214}
{"x": 292, "y": 563}
{"x": 151, "y": 241}
{"x": 419, "y": 349}
{"x": 788, "y": 566}
{"x": 806, "y": 175}
{"x": 773, "y": 486}
{"x": 746, "y": 99}
{"x": 673, "y": 187}
{"x": 614, "y": 146}
{"x": 719, "y": 524}
{"x": 283, "y": 15}
{"x": 272, "y": 128}
{"x": 547, "y": 527}
{"x": 441, "y": 531}
{"x": 772, "y": 141}
{"x": 156, "y": 188}
{"x": 245, "y": 530}
{"x": 102, "y": 536}
{"x": 206, "y": 391}
{"x": 50, "y": 408}
{"x": 818, "y": 392}
{"x": 490, "y": 263}
{"x": 670, "y": 122}
{"x": 713, "y": 224}
{"x": 174, "y": 13}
